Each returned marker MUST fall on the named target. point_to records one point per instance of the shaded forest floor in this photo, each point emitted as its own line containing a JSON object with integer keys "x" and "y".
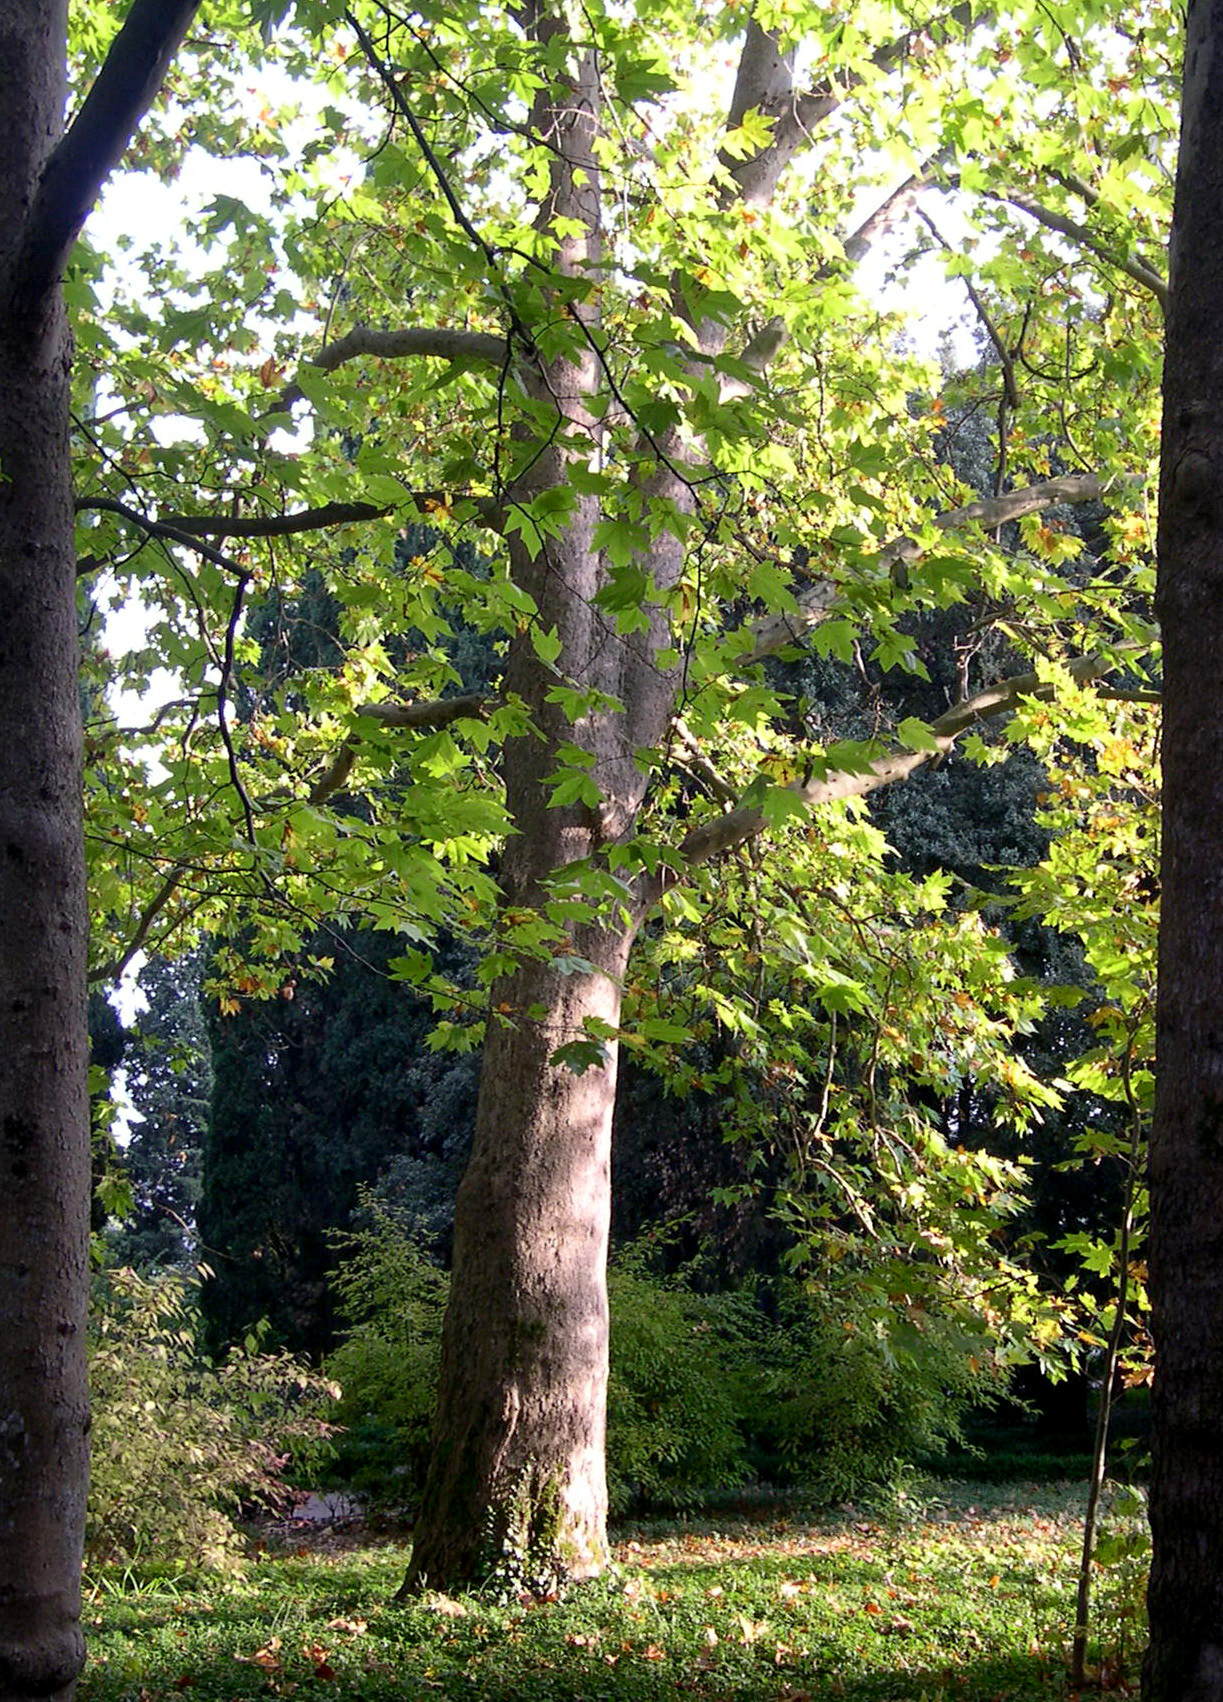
{"x": 967, "y": 1593}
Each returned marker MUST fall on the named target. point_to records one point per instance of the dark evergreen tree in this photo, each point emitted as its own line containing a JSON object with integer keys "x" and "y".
{"x": 169, "y": 1081}
{"x": 313, "y": 1096}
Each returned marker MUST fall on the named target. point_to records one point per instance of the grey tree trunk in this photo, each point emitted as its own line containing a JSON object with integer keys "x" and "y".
{"x": 44, "y": 1113}
{"x": 48, "y": 181}
{"x": 1185, "y": 1659}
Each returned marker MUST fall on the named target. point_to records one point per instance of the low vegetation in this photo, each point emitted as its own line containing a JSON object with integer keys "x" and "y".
{"x": 968, "y": 1594}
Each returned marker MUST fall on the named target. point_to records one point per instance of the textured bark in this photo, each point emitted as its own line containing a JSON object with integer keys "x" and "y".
{"x": 48, "y": 181}
{"x": 1185, "y": 1659}
{"x": 44, "y": 1117}
{"x": 517, "y": 1484}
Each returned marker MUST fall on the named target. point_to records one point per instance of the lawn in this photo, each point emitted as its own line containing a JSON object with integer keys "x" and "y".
{"x": 968, "y": 1593}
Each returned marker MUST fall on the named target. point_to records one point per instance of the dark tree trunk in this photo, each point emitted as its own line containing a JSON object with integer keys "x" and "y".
{"x": 44, "y": 1115}
{"x": 48, "y": 182}
{"x": 1185, "y": 1659}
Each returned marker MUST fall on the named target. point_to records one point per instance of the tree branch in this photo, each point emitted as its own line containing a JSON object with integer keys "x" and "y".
{"x": 765, "y": 82}
{"x": 436, "y": 712}
{"x": 773, "y": 632}
{"x": 714, "y": 838}
{"x": 482, "y": 348}
{"x": 1138, "y": 270}
{"x": 164, "y": 529}
{"x": 274, "y": 525}
{"x": 84, "y": 158}
{"x": 318, "y": 519}
{"x": 901, "y": 201}
{"x": 1005, "y": 358}
{"x": 113, "y": 970}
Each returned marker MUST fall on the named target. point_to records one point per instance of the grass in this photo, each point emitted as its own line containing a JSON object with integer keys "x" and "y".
{"x": 969, "y": 1595}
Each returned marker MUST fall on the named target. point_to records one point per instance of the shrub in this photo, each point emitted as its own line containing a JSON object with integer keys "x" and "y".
{"x": 672, "y": 1422}
{"x": 392, "y": 1299}
{"x": 841, "y": 1392}
{"x": 674, "y": 1434}
{"x": 182, "y": 1446}
{"x": 855, "y": 1390}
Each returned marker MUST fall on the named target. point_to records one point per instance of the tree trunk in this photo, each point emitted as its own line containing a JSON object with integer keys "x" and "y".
{"x": 1185, "y": 1658}
{"x": 44, "y": 1116}
{"x": 517, "y": 1485}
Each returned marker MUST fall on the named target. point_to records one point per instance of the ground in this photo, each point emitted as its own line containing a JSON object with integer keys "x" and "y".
{"x": 965, "y": 1592}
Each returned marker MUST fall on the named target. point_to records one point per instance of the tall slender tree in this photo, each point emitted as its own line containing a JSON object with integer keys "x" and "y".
{"x": 1185, "y": 1660}
{"x": 48, "y": 181}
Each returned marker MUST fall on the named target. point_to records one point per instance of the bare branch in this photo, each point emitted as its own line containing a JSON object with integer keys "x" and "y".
{"x": 92, "y": 147}
{"x": 113, "y": 970}
{"x": 773, "y": 632}
{"x": 319, "y": 519}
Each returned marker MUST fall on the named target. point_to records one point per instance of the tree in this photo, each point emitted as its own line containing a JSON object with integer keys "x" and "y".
{"x": 169, "y": 1083}
{"x": 1185, "y": 1657}
{"x": 49, "y": 180}
{"x": 691, "y": 445}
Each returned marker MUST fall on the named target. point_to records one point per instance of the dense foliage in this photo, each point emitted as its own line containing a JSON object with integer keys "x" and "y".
{"x": 183, "y": 1446}
{"x": 786, "y": 1382}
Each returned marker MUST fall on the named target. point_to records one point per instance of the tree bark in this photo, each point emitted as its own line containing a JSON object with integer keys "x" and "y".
{"x": 1185, "y": 1659}
{"x": 517, "y": 1486}
{"x": 44, "y": 1115}
{"x": 48, "y": 182}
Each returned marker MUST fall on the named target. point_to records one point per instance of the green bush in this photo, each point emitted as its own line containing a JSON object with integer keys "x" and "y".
{"x": 706, "y": 1391}
{"x": 392, "y": 1299}
{"x": 855, "y": 1391}
{"x": 180, "y": 1446}
{"x": 674, "y": 1430}
{"x": 672, "y": 1422}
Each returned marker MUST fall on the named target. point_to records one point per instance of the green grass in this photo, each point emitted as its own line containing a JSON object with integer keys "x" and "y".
{"x": 967, "y": 1596}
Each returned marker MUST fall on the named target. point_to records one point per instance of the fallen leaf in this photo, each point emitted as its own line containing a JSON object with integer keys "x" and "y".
{"x": 268, "y": 1657}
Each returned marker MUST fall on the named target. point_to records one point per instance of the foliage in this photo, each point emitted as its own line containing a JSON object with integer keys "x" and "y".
{"x": 392, "y": 1299}
{"x": 169, "y": 1084}
{"x": 680, "y": 1367}
{"x": 1099, "y": 883}
{"x": 965, "y": 1598}
{"x": 314, "y": 1095}
{"x": 629, "y": 350}
{"x": 822, "y": 1383}
{"x": 860, "y": 1392}
{"x": 803, "y": 468}
{"x": 180, "y": 1446}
